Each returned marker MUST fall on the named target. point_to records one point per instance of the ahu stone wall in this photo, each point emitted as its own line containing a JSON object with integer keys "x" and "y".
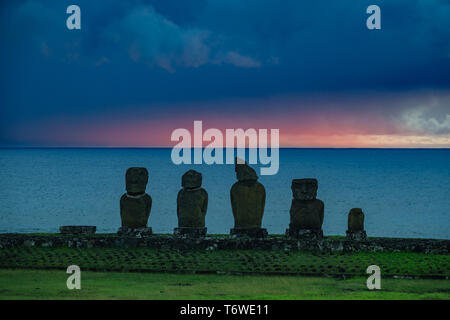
{"x": 216, "y": 242}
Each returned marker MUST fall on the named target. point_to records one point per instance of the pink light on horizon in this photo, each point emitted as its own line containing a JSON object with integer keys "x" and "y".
{"x": 305, "y": 126}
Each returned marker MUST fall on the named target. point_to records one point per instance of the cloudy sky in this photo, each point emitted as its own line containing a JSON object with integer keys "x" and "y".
{"x": 139, "y": 69}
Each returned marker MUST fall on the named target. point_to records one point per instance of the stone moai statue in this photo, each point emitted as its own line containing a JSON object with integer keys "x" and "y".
{"x": 135, "y": 204}
{"x": 356, "y": 225}
{"x": 248, "y": 198}
{"x": 306, "y": 211}
{"x": 192, "y": 203}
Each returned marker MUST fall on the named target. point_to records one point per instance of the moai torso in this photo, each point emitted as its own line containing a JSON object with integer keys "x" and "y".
{"x": 306, "y": 212}
{"x": 192, "y": 201}
{"x": 135, "y": 205}
{"x": 248, "y": 198}
{"x": 135, "y": 211}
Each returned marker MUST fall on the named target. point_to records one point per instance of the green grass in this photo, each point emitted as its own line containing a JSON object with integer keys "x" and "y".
{"x": 403, "y": 264}
{"x": 51, "y": 284}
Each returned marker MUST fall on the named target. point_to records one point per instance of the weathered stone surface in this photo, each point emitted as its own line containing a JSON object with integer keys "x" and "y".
{"x": 135, "y": 205}
{"x": 306, "y": 211}
{"x": 135, "y": 232}
{"x": 189, "y": 232}
{"x": 258, "y": 233}
{"x": 430, "y": 246}
{"x": 136, "y": 179}
{"x": 359, "y": 235}
{"x": 304, "y": 189}
{"x": 86, "y": 230}
{"x": 356, "y": 220}
{"x": 135, "y": 210}
{"x": 243, "y": 171}
{"x": 192, "y": 201}
{"x": 191, "y": 179}
{"x": 305, "y": 234}
{"x": 248, "y": 198}
{"x": 310, "y": 234}
{"x": 307, "y": 214}
{"x": 247, "y": 201}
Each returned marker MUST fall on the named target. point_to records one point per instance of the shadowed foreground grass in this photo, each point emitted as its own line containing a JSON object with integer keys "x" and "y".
{"x": 51, "y": 284}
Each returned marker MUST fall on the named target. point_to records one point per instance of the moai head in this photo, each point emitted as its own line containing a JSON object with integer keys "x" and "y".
{"x": 356, "y": 220}
{"x": 191, "y": 179}
{"x": 136, "y": 180}
{"x": 304, "y": 189}
{"x": 244, "y": 172}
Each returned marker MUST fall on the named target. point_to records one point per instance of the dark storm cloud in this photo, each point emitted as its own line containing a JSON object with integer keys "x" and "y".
{"x": 135, "y": 54}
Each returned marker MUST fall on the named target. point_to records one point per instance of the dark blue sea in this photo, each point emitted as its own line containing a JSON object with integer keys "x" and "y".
{"x": 403, "y": 192}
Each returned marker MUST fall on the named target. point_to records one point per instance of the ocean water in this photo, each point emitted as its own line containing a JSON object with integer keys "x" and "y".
{"x": 403, "y": 193}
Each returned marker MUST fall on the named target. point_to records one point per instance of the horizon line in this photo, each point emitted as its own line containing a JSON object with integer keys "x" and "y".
{"x": 166, "y": 147}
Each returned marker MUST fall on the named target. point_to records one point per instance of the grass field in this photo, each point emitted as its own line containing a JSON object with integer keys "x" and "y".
{"x": 51, "y": 284}
{"x": 145, "y": 273}
{"x": 264, "y": 262}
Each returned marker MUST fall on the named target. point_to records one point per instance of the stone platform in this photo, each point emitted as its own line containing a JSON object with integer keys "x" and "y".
{"x": 190, "y": 232}
{"x": 82, "y": 230}
{"x": 356, "y": 235}
{"x": 225, "y": 242}
{"x": 305, "y": 234}
{"x": 256, "y": 233}
{"x": 135, "y": 232}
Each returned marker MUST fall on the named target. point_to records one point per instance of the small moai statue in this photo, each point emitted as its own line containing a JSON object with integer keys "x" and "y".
{"x": 307, "y": 212}
{"x": 192, "y": 203}
{"x": 248, "y": 198}
{"x": 356, "y": 230}
{"x": 135, "y": 204}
